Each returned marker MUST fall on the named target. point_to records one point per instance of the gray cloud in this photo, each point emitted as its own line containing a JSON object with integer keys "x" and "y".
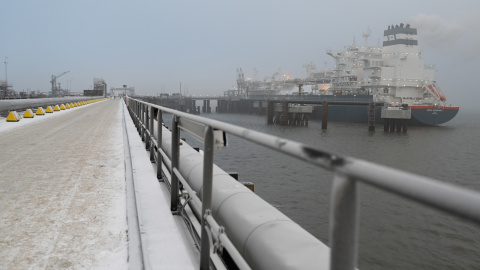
{"x": 454, "y": 38}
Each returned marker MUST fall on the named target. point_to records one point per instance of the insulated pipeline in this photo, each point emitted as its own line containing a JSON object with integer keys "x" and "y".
{"x": 19, "y": 104}
{"x": 253, "y": 225}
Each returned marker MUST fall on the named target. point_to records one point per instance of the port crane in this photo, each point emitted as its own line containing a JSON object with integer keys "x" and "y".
{"x": 55, "y": 90}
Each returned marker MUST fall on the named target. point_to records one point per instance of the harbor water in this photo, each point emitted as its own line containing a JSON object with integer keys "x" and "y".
{"x": 394, "y": 233}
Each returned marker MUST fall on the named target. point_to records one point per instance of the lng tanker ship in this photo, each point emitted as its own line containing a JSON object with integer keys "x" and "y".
{"x": 394, "y": 74}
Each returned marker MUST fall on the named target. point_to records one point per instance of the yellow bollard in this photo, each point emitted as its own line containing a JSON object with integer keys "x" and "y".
{"x": 28, "y": 114}
{"x": 40, "y": 111}
{"x": 13, "y": 117}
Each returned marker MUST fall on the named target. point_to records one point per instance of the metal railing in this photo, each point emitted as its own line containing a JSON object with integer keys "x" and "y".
{"x": 344, "y": 215}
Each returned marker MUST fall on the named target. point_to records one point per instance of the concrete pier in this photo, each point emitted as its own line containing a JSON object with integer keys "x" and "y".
{"x": 72, "y": 188}
{"x": 395, "y": 118}
{"x": 287, "y": 114}
{"x": 62, "y": 191}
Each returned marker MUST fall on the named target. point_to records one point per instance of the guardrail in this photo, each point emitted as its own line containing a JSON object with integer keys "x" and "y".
{"x": 344, "y": 216}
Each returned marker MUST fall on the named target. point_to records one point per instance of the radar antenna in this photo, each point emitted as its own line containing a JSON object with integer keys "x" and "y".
{"x": 366, "y": 35}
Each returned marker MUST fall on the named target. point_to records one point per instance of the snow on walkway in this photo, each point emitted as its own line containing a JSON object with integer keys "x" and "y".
{"x": 62, "y": 191}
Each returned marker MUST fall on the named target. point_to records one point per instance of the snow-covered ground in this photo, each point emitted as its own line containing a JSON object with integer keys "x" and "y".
{"x": 162, "y": 243}
{"x": 62, "y": 190}
{"x": 4, "y": 125}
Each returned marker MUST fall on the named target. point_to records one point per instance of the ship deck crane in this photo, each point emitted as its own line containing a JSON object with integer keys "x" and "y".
{"x": 54, "y": 83}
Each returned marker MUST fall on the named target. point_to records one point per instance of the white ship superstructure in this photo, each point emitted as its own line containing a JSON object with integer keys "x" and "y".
{"x": 395, "y": 73}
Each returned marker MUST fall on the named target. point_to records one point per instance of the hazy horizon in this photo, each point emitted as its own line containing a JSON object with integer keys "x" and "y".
{"x": 155, "y": 46}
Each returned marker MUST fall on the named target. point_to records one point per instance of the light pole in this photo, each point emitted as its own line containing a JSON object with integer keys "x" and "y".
{"x": 6, "y": 79}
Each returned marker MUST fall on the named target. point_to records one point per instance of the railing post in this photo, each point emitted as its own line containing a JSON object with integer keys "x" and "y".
{"x": 147, "y": 127}
{"x": 175, "y": 160}
{"x": 206, "y": 196}
{"x": 159, "y": 144}
{"x": 147, "y": 122}
{"x": 137, "y": 116}
{"x": 152, "y": 133}
{"x": 152, "y": 113}
{"x": 144, "y": 121}
{"x": 142, "y": 117}
{"x": 135, "y": 111}
{"x": 344, "y": 223}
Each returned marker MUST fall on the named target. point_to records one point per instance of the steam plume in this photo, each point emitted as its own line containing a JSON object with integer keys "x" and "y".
{"x": 456, "y": 38}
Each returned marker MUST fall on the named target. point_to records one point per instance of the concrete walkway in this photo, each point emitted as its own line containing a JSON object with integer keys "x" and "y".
{"x": 62, "y": 191}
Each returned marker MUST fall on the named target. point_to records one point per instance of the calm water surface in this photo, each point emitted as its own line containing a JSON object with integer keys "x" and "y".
{"x": 394, "y": 233}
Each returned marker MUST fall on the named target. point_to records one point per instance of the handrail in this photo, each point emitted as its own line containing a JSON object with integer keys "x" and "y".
{"x": 347, "y": 173}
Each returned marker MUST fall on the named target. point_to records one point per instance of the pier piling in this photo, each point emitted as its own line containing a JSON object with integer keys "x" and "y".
{"x": 386, "y": 123}
{"x": 269, "y": 113}
{"x": 371, "y": 117}
{"x": 324, "y": 115}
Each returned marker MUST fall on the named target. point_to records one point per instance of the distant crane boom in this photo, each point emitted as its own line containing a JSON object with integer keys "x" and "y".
{"x": 54, "y": 83}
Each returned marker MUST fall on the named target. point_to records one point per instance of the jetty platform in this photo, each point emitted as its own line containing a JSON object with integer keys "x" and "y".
{"x": 105, "y": 185}
{"x": 63, "y": 194}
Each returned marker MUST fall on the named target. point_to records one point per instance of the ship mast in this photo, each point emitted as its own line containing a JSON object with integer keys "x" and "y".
{"x": 366, "y": 35}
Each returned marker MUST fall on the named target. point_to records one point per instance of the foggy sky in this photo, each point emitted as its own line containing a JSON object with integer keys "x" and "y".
{"x": 156, "y": 45}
